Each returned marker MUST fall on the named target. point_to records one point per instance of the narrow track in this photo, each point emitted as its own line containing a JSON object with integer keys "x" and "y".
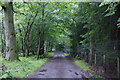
{"x": 57, "y": 67}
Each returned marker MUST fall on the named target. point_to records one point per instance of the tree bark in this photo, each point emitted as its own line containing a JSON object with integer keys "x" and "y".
{"x": 2, "y": 39}
{"x": 10, "y": 37}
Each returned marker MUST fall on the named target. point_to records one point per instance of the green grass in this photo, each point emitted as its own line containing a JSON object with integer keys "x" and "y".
{"x": 20, "y": 68}
{"x": 49, "y": 54}
{"x": 66, "y": 54}
{"x": 82, "y": 65}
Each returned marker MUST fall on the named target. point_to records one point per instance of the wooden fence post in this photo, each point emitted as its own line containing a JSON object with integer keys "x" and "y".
{"x": 104, "y": 57}
{"x": 95, "y": 59}
{"x": 85, "y": 56}
{"x": 118, "y": 65}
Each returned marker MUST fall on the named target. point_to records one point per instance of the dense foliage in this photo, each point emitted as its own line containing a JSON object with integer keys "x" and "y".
{"x": 33, "y": 29}
{"x": 40, "y": 27}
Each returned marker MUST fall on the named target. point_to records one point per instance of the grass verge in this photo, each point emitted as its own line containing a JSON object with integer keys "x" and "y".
{"x": 20, "y": 68}
{"x": 66, "y": 54}
{"x": 82, "y": 65}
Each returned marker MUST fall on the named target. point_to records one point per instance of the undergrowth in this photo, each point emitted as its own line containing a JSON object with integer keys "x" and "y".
{"x": 20, "y": 68}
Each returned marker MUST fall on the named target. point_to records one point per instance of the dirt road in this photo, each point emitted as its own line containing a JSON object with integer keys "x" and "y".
{"x": 58, "y": 67}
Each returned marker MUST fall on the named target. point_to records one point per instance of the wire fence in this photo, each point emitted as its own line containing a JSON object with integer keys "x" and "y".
{"x": 105, "y": 56}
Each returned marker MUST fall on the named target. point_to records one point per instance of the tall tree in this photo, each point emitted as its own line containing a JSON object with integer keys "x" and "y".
{"x": 10, "y": 37}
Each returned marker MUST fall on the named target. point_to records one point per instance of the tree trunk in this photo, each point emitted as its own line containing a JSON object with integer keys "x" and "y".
{"x": 38, "y": 50}
{"x": 42, "y": 47}
{"x": 10, "y": 37}
{"x": 23, "y": 46}
{"x": 27, "y": 34}
{"x": 22, "y": 41}
{"x": 42, "y": 31}
{"x": 26, "y": 46}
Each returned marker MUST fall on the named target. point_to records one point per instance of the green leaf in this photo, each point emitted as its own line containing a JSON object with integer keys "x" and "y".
{"x": 104, "y": 3}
